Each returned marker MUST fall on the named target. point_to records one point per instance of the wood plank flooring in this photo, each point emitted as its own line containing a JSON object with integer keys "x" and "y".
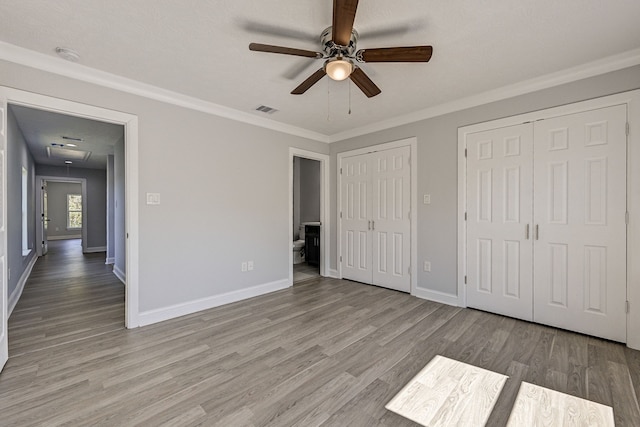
{"x": 327, "y": 352}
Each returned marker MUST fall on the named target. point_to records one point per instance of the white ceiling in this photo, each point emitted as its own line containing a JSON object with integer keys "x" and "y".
{"x": 200, "y": 49}
{"x": 41, "y": 129}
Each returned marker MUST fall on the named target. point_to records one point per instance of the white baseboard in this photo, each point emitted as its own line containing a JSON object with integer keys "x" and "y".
{"x": 69, "y": 237}
{"x": 120, "y": 274}
{"x": 436, "y": 296}
{"x": 110, "y": 260}
{"x": 95, "y": 249}
{"x": 17, "y": 292}
{"x": 333, "y": 273}
{"x": 177, "y": 310}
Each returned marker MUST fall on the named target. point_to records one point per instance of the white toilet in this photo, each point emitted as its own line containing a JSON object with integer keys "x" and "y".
{"x": 298, "y": 248}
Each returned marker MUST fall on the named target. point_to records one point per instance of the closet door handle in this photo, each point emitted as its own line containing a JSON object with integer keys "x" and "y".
{"x": 373, "y": 225}
{"x": 369, "y": 224}
{"x": 537, "y": 232}
{"x": 526, "y": 232}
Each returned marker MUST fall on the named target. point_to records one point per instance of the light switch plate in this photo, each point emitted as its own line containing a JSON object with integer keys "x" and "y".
{"x": 427, "y": 266}
{"x": 153, "y": 198}
{"x": 427, "y": 199}
{"x": 250, "y": 265}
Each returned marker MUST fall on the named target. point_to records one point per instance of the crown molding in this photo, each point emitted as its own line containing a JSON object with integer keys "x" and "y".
{"x": 29, "y": 58}
{"x": 33, "y": 59}
{"x": 590, "y": 69}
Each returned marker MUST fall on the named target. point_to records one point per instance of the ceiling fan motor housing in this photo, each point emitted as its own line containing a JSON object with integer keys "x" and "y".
{"x": 332, "y": 50}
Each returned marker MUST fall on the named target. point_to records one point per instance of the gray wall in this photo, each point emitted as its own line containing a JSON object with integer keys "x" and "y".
{"x": 224, "y": 189}
{"x": 118, "y": 207}
{"x": 306, "y": 192}
{"x": 18, "y": 156}
{"x": 437, "y": 165}
{"x": 57, "y": 208}
{"x": 96, "y": 220}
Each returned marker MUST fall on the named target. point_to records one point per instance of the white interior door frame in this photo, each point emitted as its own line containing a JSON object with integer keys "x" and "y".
{"x": 130, "y": 123}
{"x": 325, "y": 213}
{"x": 412, "y": 143}
{"x": 632, "y": 100}
{"x": 40, "y": 180}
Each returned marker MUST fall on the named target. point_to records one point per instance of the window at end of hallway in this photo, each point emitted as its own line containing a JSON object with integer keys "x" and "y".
{"x": 74, "y": 211}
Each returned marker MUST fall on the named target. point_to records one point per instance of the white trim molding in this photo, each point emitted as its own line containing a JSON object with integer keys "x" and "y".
{"x": 33, "y": 59}
{"x": 436, "y": 296}
{"x": 632, "y": 100}
{"x": 130, "y": 123}
{"x": 110, "y": 261}
{"x": 119, "y": 274}
{"x": 333, "y": 273}
{"x": 95, "y": 249}
{"x": 17, "y": 292}
{"x": 182, "y": 309}
{"x": 325, "y": 212}
{"x": 69, "y": 237}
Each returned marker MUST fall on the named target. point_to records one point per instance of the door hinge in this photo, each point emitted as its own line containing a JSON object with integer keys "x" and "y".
{"x": 409, "y": 214}
{"x": 43, "y": 242}
{"x": 627, "y": 128}
{"x": 409, "y": 270}
{"x": 341, "y": 215}
{"x": 465, "y": 280}
{"x": 627, "y": 306}
{"x": 340, "y": 258}
{"x": 465, "y": 216}
{"x": 340, "y": 171}
{"x": 465, "y": 153}
{"x": 626, "y": 217}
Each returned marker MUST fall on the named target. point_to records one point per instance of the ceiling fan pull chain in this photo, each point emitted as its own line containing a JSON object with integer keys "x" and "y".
{"x": 349, "y": 97}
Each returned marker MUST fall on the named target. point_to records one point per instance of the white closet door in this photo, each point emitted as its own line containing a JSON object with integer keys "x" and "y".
{"x": 580, "y": 204}
{"x": 499, "y": 216}
{"x": 4, "y": 313}
{"x": 391, "y": 226}
{"x": 356, "y": 225}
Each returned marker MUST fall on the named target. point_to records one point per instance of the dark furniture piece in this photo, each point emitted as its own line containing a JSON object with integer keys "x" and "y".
{"x": 312, "y": 244}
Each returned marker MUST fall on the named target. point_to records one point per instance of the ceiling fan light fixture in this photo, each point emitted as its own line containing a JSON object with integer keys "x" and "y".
{"x": 338, "y": 68}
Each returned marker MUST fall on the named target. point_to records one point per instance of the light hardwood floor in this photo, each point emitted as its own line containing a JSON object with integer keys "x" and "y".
{"x": 326, "y": 352}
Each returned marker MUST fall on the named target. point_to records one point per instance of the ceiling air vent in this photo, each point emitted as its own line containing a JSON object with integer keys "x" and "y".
{"x": 265, "y": 109}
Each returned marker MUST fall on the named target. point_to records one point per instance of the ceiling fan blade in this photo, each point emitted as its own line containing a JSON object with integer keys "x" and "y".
{"x": 364, "y": 83}
{"x": 284, "y": 50}
{"x": 344, "y": 13}
{"x": 311, "y": 80}
{"x": 396, "y": 54}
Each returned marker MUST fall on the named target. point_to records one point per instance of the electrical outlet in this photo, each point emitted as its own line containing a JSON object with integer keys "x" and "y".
{"x": 250, "y": 265}
{"x": 427, "y": 266}
{"x": 244, "y": 266}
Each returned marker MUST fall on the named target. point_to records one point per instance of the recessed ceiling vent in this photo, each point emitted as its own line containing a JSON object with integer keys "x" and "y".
{"x": 66, "y": 154}
{"x": 265, "y": 109}
{"x": 71, "y": 138}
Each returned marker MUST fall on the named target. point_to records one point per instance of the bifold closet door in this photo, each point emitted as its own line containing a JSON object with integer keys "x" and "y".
{"x": 391, "y": 226}
{"x": 580, "y": 205}
{"x": 356, "y": 222}
{"x": 499, "y": 216}
{"x": 375, "y": 223}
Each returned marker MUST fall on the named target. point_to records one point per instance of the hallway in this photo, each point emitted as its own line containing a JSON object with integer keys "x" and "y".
{"x": 69, "y": 296}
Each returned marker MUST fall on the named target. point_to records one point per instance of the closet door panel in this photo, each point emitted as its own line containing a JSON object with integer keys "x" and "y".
{"x": 580, "y": 204}
{"x": 356, "y": 226}
{"x": 391, "y": 227}
{"x": 499, "y": 216}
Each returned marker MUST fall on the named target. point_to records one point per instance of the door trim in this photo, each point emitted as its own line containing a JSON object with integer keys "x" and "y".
{"x": 325, "y": 213}
{"x": 412, "y": 143}
{"x": 632, "y": 100}
{"x": 85, "y": 218}
{"x": 130, "y": 123}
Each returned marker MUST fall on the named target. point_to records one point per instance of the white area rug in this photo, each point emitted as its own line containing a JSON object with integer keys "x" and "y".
{"x": 449, "y": 393}
{"x": 537, "y": 405}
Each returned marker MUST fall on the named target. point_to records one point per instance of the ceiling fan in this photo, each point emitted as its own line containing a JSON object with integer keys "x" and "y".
{"x": 339, "y": 52}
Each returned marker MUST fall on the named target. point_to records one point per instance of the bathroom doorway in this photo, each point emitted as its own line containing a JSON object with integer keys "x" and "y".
{"x": 308, "y": 246}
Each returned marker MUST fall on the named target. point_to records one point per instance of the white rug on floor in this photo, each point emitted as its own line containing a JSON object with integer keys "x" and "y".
{"x": 449, "y": 393}
{"x": 542, "y": 406}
